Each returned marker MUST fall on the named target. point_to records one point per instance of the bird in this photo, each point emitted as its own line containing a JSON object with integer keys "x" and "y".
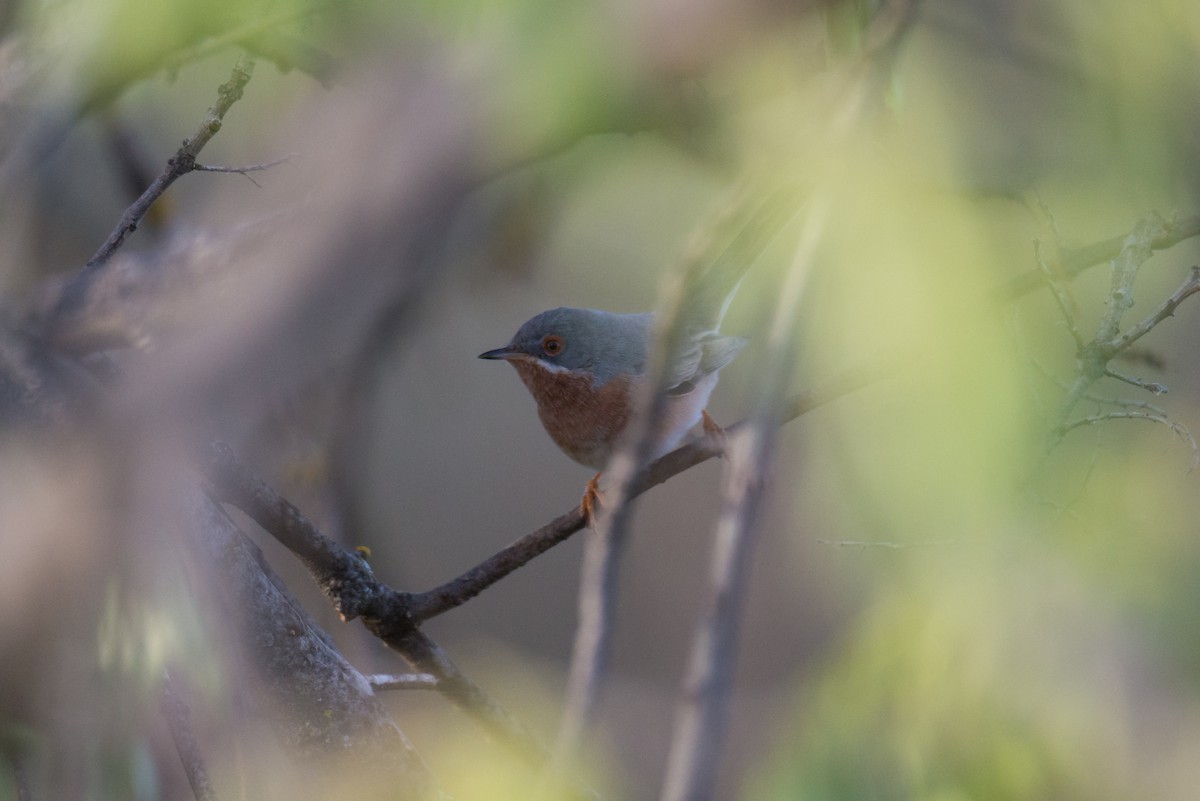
{"x": 585, "y": 367}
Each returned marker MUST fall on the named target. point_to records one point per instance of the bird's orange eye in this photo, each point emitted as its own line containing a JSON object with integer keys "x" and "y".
{"x": 552, "y": 344}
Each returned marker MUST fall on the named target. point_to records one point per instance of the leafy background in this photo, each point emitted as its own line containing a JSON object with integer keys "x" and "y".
{"x": 940, "y": 608}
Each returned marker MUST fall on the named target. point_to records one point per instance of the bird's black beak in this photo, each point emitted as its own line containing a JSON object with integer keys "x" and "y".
{"x": 506, "y": 352}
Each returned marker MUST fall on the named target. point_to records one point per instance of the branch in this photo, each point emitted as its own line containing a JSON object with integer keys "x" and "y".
{"x": 178, "y": 716}
{"x": 703, "y": 707}
{"x": 404, "y": 681}
{"x": 183, "y": 162}
{"x": 1065, "y": 304}
{"x": 1075, "y": 260}
{"x": 1093, "y": 358}
{"x": 693, "y": 301}
{"x": 1166, "y": 309}
{"x": 459, "y": 590}
{"x": 429, "y": 657}
{"x": 198, "y": 167}
{"x": 320, "y": 706}
{"x": 348, "y": 584}
{"x": 1179, "y": 430}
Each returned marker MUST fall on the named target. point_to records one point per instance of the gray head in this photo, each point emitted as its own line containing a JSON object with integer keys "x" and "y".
{"x": 601, "y": 343}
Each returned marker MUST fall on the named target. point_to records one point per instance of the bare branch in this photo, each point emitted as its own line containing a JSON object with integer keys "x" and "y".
{"x": 183, "y": 162}
{"x": 178, "y": 716}
{"x": 347, "y": 581}
{"x": 703, "y": 706}
{"x": 1074, "y": 261}
{"x": 403, "y": 681}
{"x": 894, "y": 546}
{"x": 320, "y": 705}
{"x": 1153, "y": 387}
{"x": 1065, "y": 305}
{"x": 198, "y": 167}
{"x": 693, "y": 300}
{"x": 459, "y": 590}
{"x": 1179, "y": 430}
{"x": 1093, "y": 358}
{"x": 1165, "y": 309}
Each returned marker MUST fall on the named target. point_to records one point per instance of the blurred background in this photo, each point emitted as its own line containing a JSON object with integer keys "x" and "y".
{"x": 942, "y": 606}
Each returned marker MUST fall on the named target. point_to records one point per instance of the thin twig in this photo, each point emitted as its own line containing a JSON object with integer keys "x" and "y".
{"x": 1153, "y": 387}
{"x": 1128, "y": 403}
{"x": 183, "y": 162}
{"x": 1065, "y": 306}
{"x": 894, "y": 546}
{"x": 178, "y": 716}
{"x": 429, "y": 657}
{"x": 403, "y": 681}
{"x": 247, "y": 169}
{"x": 1165, "y": 309}
{"x": 1179, "y": 430}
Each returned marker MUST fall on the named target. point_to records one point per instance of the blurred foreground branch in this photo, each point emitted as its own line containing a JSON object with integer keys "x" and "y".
{"x": 178, "y": 718}
{"x": 321, "y": 706}
{"x": 703, "y": 705}
{"x": 691, "y": 305}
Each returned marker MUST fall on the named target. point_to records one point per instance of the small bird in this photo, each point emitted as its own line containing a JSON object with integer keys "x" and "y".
{"x": 584, "y": 368}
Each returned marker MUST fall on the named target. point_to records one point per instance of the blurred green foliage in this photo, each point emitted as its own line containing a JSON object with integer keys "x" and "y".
{"x": 1025, "y": 624}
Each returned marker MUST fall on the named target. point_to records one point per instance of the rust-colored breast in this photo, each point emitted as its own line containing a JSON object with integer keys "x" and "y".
{"x": 583, "y": 420}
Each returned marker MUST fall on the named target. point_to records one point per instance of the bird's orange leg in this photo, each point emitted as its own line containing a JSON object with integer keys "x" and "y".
{"x": 593, "y": 499}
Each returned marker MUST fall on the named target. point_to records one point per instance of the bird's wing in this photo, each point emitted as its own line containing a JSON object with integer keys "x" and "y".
{"x": 705, "y": 354}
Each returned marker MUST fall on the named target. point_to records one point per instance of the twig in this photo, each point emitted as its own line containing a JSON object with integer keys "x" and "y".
{"x": 893, "y": 546}
{"x": 1092, "y": 360}
{"x": 1157, "y": 389}
{"x": 247, "y": 169}
{"x": 429, "y": 657}
{"x": 1180, "y": 430}
{"x": 1065, "y": 306}
{"x": 1165, "y": 309}
{"x": 403, "y": 681}
{"x": 183, "y": 162}
{"x": 1074, "y": 261}
{"x": 178, "y": 716}
{"x": 1153, "y": 387}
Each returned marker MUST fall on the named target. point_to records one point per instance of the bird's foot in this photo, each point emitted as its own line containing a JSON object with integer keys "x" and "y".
{"x": 593, "y": 499}
{"x": 713, "y": 429}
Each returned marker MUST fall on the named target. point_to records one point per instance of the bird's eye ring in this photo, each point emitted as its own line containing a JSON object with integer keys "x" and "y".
{"x": 552, "y": 344}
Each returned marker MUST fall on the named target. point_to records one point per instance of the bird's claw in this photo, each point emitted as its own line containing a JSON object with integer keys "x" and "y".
{"x": 713, "y": 430}
{"x": 593, "y": 499}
